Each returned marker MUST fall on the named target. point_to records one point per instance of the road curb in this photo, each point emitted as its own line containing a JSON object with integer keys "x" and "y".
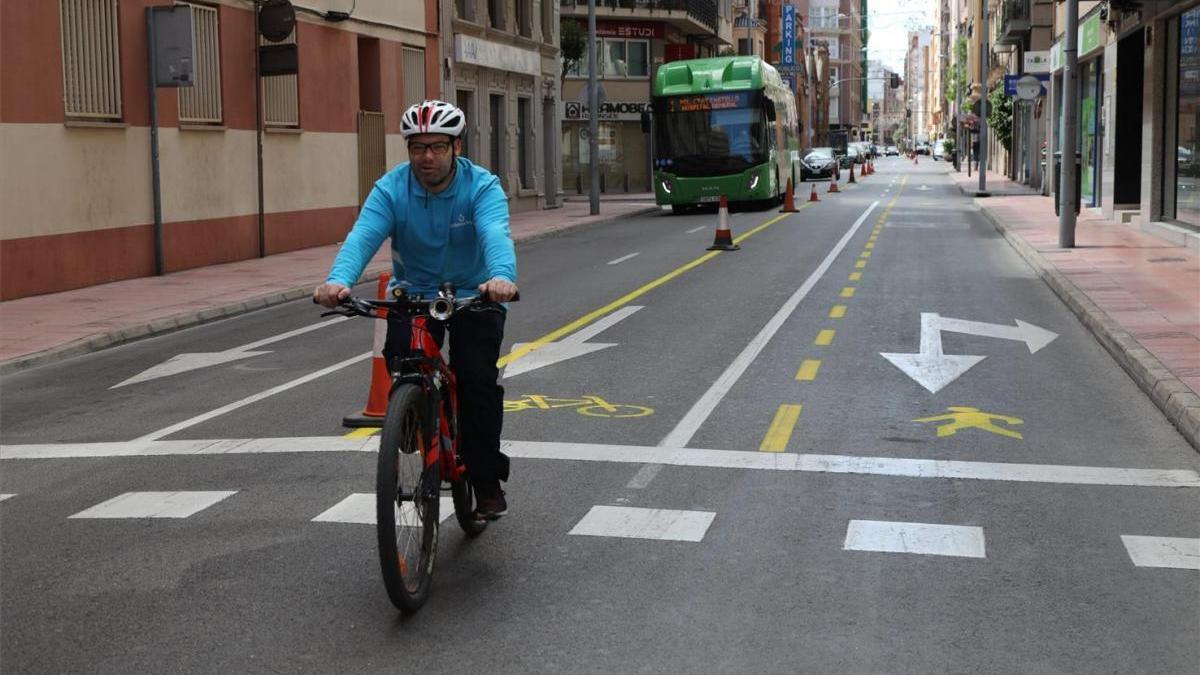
{"x": 192, "y": 318}
{"x": 1174, "y": 398}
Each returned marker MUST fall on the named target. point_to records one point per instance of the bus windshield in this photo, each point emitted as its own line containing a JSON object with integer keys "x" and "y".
{"x": 709, "y": 134}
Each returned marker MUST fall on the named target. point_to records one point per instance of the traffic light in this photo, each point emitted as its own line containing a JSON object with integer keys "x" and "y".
{"x": 895, "y": 81}
{"x": 907, "y": 113}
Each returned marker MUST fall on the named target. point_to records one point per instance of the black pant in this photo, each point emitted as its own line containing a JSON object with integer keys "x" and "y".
{"x": 475, "y": 336}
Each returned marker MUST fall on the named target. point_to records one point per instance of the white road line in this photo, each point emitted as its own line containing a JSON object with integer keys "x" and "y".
{"x": 635, "y": 454}
{"x": 154, "y": 505}
{"x": 634, "y": 523}
{"x": 696, "y": 229}
{"x": 687, "y": 427}
{"x": 623, "y": 258}
{"x": 1174, "y": 552}
{"x": 919, "y": 538}
{"x": 359, "y": 509}
{"x": 6, "y": 496}
{"x": 644, "y": 477}
{"x": 252, "y": 399}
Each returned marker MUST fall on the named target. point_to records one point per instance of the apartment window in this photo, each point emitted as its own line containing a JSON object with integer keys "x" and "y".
{"x": 414, "y": 75}
{"x": 281, "y": 95}
{"x": 618, "y": 58}
{"x": 496, "y": 14}
{"x": 465, "y": 9}
{"x": 524, "y": 142}
{"x": 823, "y": 17}
{"x": 548, "y": 22}
{"x": 91, "y": 59}
{"x": 495, "y": 135}
{"x": 465, "y": 100}
{"x": 525, "y": 18}
{"x": 201, "y": 102}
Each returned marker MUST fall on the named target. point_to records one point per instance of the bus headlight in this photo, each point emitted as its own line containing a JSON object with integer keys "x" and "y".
{"x": 753, "y": 182}
{"x": 667, "y": 185}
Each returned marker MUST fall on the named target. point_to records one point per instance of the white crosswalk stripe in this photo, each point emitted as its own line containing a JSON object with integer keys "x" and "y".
{"x": 635, "y": 523}
{"x": 1174, "y": 552}
{"x": 359, "y": 508}
{"x": 155, "y": 505}
{"x": 918, "y": 538}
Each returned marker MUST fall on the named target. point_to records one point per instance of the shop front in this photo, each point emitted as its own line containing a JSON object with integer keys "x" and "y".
{"x": 623, "y": 150}
{"x": 1091, "y": 102}
{"x": 1181, "y": 158}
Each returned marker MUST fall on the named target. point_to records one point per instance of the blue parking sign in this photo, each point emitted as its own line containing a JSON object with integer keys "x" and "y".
{"x": 788, "y": 48}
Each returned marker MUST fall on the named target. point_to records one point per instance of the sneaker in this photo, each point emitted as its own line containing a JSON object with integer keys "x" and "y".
{"x": 489, "y": 502}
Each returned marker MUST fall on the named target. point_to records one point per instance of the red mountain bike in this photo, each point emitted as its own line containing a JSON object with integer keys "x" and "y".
{"x": 418, "y": 447}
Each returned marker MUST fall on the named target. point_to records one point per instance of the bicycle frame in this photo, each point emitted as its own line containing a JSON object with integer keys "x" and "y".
{"x": 428, "y": 370}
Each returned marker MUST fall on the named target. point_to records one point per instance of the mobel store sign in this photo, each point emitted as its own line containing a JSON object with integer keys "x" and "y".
{"x": 615, "y": 111}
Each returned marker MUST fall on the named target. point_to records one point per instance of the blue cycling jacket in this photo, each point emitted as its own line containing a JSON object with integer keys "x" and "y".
{"x": 459, "y": 235}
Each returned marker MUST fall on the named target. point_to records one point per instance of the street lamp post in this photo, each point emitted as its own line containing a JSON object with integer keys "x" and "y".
{"x": 983, "y": 102}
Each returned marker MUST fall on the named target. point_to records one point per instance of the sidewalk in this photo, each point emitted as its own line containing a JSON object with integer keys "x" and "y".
{"x": 45, "y": 328}
{"x": 1138, "y": 293}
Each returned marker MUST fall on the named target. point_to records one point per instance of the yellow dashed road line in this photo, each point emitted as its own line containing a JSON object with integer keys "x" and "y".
{"x": 825, "y": 337}
{"x": 848, "y": 292}
{"x": 855, "y": 276}
{"x": 780, "y": 432}
{"x": 837, "y": 312}
{"x": 808, "y": 370}
{"x": 365, "y": 432}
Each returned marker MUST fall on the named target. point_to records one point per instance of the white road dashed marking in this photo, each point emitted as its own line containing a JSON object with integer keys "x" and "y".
{"x": 623, "y": 258}
{"x": 696, "y": 229}
{"x": 6, "y": 496}
{"x": 359, "y": 509}
{"x": 918, "y": 538}
{"x": 634, "y": 523}
{"x": 644, "y": 476}
{"x": 155, "y": 505}
{"x": 1172, "y": 552}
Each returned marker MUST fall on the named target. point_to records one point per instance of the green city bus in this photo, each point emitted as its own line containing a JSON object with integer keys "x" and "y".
{"x": 723, "y": 126}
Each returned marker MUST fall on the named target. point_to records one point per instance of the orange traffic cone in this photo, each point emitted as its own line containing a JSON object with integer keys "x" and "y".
{"x": 381, "y": 379}
{"x": 851, "y": 180}
{"x": 723, "y": 241}
{"x": 915, "y": 158}
{"x": 789, "y": 200}
{"x": 813, "y": 197}
{"x": 833, "y": 183}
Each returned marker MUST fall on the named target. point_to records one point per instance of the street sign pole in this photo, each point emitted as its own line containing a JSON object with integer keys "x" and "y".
{"x": 593, "y": 113}
{"x": 1066, "y": 184}
{"x": 983, "y": 103}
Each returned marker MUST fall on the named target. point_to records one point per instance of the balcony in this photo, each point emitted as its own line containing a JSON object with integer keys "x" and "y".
{"x": 690, "y": 16}
{"x": 1014, "y": 22}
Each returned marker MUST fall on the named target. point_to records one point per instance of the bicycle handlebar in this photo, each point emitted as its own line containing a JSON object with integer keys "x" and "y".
{"x": 440, "y": 308}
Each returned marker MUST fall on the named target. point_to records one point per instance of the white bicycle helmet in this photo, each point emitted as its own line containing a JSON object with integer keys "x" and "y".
{"x": 432, "y": 117}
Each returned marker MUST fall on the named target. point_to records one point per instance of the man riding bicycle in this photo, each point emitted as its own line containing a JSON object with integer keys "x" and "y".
{"x": 448, "y": 221}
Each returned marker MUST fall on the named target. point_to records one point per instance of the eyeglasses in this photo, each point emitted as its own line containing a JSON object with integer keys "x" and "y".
{"x": 438, "y": 149}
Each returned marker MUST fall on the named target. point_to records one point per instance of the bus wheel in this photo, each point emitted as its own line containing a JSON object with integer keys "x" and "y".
{"x": 679, "y": 209}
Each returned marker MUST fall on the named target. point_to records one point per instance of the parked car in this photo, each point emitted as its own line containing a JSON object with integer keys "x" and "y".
{"x": 852, "y": 156}
{"x": 816, "y": 163}
{"x": 939, "y": 150}
{"x": 921, "y": 148}
{"x": 891, "y": 151}
{"x": 861, "y": 152}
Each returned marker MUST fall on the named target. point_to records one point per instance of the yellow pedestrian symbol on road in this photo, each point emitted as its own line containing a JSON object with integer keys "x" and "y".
{"x": 965, "y": 417}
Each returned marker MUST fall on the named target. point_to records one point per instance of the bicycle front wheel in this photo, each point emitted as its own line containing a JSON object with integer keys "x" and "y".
{"x": 406, "y": 501}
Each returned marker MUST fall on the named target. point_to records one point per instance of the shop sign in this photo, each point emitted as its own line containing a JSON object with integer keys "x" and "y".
{"x": 1025, "y": 87}
{"x": 618, "y": 111}
{"x": 488, "y": 54}
{"x": 1037, "y": 62}
{"x": 1089, "y": 34}
{"x": 787, "y": 55}
{"x": 627, "y": 29}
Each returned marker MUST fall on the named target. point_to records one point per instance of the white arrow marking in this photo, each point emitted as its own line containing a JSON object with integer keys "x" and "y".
{"x": 182, "y": 363}
{"x": 923, "y": 188}
{"x": 569, "y": 347}
{"x": 933, "y": 369}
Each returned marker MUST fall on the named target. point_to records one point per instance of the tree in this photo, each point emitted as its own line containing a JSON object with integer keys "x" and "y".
{"x": 1000, "y": 115}
{"x": 572, "y": 42}
{"x": 956, "y": 80}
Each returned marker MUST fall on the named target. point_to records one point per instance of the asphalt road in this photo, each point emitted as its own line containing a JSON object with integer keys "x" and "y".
{"x": 740, "y": 481}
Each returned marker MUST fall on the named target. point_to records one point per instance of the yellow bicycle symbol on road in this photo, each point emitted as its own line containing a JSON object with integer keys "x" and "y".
{"x": 592, "y": 406}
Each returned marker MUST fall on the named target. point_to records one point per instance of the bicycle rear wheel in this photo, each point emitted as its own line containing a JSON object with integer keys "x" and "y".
{"x": 406, "y": 502}
{"x": 464, "y": 507}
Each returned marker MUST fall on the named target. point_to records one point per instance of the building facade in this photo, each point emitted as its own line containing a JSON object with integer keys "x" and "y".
{"x": 634, "y": 38}
{"x": 77, "y": 182}
{"x": 502, "y": 67}
{"x": 836, "y": 28}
